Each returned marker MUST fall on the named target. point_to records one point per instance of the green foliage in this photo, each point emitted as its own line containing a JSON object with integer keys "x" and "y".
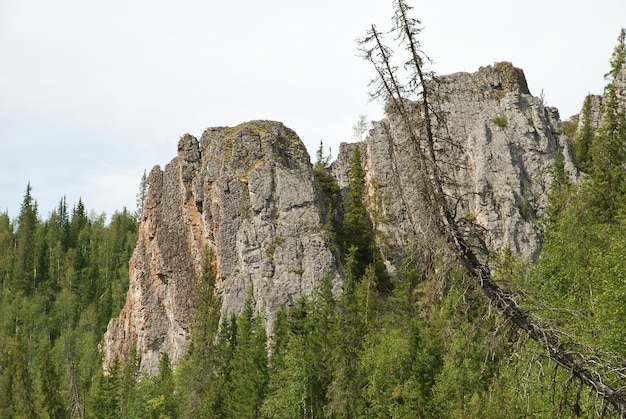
{"x": 155, "y": 397}
{"x": 608, "y": 157}
{"x": 359, "y": 128}
{"x": 581, "y": 272}
{"x": 570, "y": 126}
{"x": 203, "y": 349}
{"x": 346, "y": 381}
{"x": 249, "y": 373}
{"x": 618, "y": 58}
{"x": 582, "y": 139}
{"x": 62, "y": 278}
{"x": 322, "y": 160}
{"x": 327, "y": 181}
{"x": 301, "y": 360}
{"x": 561, "y": 189}
{"x": 356, "y": 231}
{"x": 25, "y": 276}
{"x": 500, "y": 121}
{"x": 601, "y": 152}
{"x": 271, "y": 249}
{"x": 141, "y": 195}
{"x": 525, "y": 209}
{"x": 52, "y": 400}
{"x": 321, "y": 170}
{"x": 399, "y": 350}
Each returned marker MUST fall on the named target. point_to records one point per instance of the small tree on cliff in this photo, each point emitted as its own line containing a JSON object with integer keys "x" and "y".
{"x": 141, "y": 195}
{"x": 359, "y": 128}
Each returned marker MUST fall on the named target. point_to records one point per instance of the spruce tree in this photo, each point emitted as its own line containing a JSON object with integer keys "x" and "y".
{"x": 216, "y": 401}
{"x": 22, "y": 391}
{"x": 356, "y": 228}
{"x": 560, "y": 190}
{"x": 50, "y": 388}
{"x": 618, "y": 58}
{"x": 24, "y": 273}
{"x": 301, "y": 367}
{"x": 203, "y": 351}
{"x": 608, "y": 150}
{"x": 344, "y": 390}
{"x": 584, "y": 137}
{"x": 249, "y": 375}
{"x": 162, "y": 402}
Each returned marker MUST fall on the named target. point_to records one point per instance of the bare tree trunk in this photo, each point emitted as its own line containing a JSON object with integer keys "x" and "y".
{"x": 75, "y": 403}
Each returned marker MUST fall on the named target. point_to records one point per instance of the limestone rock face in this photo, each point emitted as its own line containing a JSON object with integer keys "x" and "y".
{"x": 248, "y": 194}
{"x": 496, "y": 145}
{"x": 262, "y": 213}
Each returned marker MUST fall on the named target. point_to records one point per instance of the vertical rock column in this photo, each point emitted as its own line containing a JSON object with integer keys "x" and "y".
{"x": 163, "y": 269}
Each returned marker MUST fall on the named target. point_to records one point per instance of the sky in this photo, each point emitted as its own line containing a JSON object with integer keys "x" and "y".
{"x": 92, "y": 93}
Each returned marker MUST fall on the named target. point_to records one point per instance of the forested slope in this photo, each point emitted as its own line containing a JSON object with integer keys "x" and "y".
{"x": 421, "y": 340}
{"x": 62, "y": 280}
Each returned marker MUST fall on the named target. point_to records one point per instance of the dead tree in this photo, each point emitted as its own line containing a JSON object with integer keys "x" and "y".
{"x": 75, "y": 404}
{"x": 387, "y": 85}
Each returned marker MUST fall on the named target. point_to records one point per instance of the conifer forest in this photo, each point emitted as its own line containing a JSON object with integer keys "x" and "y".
{"x": 464, "y": 336}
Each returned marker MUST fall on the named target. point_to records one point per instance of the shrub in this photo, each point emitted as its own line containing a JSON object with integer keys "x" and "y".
{"x": 500, "y": 121}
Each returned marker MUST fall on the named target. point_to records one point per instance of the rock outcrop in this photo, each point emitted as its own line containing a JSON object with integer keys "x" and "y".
{"x": 496, "y": 145}
{"x": 596, "y": 102}
{"x": 248, "y": 194}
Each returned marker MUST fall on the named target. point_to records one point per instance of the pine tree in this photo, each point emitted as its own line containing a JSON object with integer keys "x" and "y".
{"x": 7, "y": 239}
{"x": 322, "y": 173}
{"x": 322, "y": 160}
{"x": 107, "y": 402}
{"x": 217, "y": 398}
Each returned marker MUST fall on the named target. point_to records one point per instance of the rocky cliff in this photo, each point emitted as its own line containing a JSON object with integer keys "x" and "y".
{"x": 248, "y": 193}
{"x": 496, "y": 145}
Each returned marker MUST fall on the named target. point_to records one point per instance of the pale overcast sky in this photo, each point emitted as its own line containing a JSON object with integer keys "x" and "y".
{"x": 94, "y": 92}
